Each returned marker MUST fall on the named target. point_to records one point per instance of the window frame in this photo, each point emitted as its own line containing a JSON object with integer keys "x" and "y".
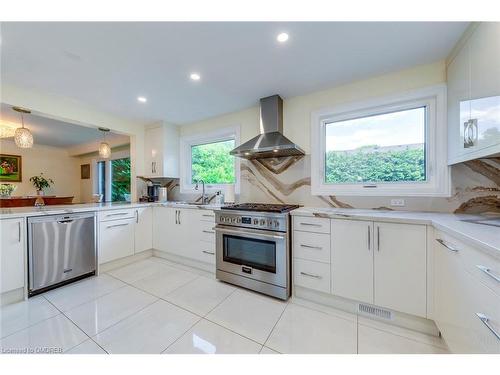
{"x": 219, "y": 135}
{"x": 437, "y": 171}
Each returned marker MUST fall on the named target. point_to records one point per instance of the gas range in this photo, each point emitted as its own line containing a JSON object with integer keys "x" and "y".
{"x": 256, "y": 215}
{"x": 253, "y": 247}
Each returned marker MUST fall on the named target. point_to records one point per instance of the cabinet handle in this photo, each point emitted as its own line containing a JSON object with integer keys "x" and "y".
{"x": 208, "y": 231}
{"x": 445, "y": 244}
{"x": 118, "y": 214}
{"x": 311, "y": 225}
{"x": 369, "y": 238}
{"x": 137, "y": 216}
{"x": 311, "y": 247}
{"x": 117, "y": 225}
{"x": 19, "y": 231}
{"x": 208, "y": 215}
{"x": 311, "y": 275}
{"x": 378, "y": 238}
{"x": 176, "y": 217}
{"x": 179, "y": 217}
{"x": 208, "y": 252}
{"x": 487, "y": 271}
{"x": 486, "y": 321}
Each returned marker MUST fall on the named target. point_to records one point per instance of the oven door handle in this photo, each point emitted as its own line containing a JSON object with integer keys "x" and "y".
{"x": 256, "y": 233}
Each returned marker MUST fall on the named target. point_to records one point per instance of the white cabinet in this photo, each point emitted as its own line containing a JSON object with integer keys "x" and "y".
{"x": 352, "y": 259}
{"x": 188, "y": 233}
{"x": 116, "y": 239}
{"x": 161, "y": 151}
{"x": 12, "y": 254}
{"x": 466, "y": 311}
{"x": 400, "y": 267}
{"x": 384, "y": 264}
{"x": 143, "y": 229}
{"x": 473, "y": 77}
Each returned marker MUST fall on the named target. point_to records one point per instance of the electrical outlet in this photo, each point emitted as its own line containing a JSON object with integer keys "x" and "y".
{"x": 397, "y": 202}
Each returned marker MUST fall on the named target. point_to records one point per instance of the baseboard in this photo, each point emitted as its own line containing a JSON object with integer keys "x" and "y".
{"x": 105, "y": 267}
{"x": 399, "y": 319}
{"x": 185, "y": 261}
{"x": 16, "y": 295}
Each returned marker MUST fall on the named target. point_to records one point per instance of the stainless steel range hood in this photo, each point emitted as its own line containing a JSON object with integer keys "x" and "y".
{"x": 271, "y": 142}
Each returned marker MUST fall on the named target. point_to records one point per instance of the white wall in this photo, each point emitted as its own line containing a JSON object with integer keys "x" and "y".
{"x": 297, "y": 110}
{"x": 55, "y": 163}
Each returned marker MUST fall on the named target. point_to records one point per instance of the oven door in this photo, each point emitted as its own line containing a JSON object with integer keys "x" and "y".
{"x": 255, "y": 254}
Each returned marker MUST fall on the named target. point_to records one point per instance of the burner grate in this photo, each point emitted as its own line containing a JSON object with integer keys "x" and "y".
{"x": 262, "y": 207}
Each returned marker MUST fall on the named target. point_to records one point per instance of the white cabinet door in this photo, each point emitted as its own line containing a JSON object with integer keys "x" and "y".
{"x": 11, "y": 254}
{"x": 352, "y": 259}
{"x": 153, "y": 152}
{"x": 165, "y": 228}
{"x": 116, "y": 239}
{"x": 400, "y": 267}
{"x": 143, "y": 229}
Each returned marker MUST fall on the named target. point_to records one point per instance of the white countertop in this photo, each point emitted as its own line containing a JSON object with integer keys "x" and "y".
{"x": 485, "y": 237}
{"x": 7, "y": 213}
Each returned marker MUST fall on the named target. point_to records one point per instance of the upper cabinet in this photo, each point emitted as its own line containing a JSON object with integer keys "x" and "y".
{"x": 161, "y": 151}
{"x": 473, "y": 76}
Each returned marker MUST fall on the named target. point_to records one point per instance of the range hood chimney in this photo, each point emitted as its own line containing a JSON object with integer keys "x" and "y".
{"x": 271, "y": 142}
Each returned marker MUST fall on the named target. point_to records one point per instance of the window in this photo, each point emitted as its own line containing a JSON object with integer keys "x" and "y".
{"x": 387, "y": 146}
{"x": 206, "y": 157}
{"x": 113, "y": 179}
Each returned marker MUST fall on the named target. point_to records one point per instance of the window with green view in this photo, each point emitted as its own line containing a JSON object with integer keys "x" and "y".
{"x": 383, "y": 148}
{"x": 212, "y": 163}
{"x": 120, "y": 179}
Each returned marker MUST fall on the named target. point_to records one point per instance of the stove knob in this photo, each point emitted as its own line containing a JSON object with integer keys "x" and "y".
{"x": 238, "y": 220}
{"x": 262, "y": 222}
{"x": 233, "y": 220}
{"x": 255, "y": 221}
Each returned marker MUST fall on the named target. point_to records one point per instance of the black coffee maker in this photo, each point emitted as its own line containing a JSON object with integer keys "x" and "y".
{"x": 153, "y": 192}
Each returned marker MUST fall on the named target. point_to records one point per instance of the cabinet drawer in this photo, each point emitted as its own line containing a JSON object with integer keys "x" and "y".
{"x": 116, "y": 214}
{"x": 311, "y": 246}
{"x": 205, "y": 252}
{"x": 207, "y": 232}
{"x": 205, "y": 215}
{"x": 311, "y": 224}
{"x": 312, "y": 275}
{"x": 481, "y": 265}
{"x": 116, "y": 239}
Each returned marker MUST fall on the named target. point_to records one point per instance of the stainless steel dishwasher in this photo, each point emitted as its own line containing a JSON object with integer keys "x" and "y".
{"x": 61, "y": 249}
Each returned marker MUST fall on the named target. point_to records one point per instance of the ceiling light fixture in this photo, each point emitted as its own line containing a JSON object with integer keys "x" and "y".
{"x": 142, "y": 99}
{"x": 282, "y": 37}
{"x": 104, "y": 149}
{"x": 22, "y": 136}
{"x": 195, "y": 76}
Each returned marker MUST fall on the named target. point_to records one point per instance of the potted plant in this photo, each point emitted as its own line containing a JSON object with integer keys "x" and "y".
{"x": 6, "y": 190}
{"x": 40, "y": 183}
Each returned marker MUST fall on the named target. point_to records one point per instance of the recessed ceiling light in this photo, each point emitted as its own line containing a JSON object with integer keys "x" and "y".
{"x": 195, "y": 76}
{"x": 283, "y": 37}
{"x": 141, "y": 99}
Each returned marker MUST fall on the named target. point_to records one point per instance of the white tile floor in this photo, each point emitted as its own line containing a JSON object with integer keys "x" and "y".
{"x": 156, "y": 306}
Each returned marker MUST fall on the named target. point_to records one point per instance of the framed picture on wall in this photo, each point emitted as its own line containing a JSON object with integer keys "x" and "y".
{"x": 85, "y": 171}
{"x": 11, "y": 168}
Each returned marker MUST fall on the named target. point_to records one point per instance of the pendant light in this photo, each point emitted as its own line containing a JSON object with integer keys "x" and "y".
{"x": 22, "y": 136}
{"x": 104, "y": 149}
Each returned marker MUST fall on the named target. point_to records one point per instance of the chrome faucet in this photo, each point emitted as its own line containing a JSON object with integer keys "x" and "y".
{"x": 204, "y": 198}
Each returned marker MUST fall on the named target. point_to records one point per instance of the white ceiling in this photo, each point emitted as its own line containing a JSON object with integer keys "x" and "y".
{"x": 51, "y": 132}
{"x": 107, "y": 65}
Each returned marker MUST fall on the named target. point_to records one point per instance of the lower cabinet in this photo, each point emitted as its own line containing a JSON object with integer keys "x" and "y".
{"x": 466, "y": 311}
{"x": 373, "y": 262}
{"x": 185, "y": 232}
{"x": 116, "y": 239}
{"x": 400, "y": 276}
{"x": 143, "y": 229}
{"x": 12, "y": 254}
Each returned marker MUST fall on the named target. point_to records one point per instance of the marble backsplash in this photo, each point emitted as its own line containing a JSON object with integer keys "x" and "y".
{"x": 475, "y": 187}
